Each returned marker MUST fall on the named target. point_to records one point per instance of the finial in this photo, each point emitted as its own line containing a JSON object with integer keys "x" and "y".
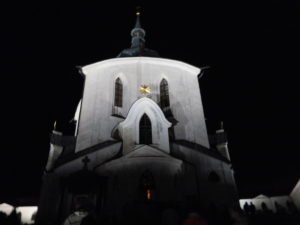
{"x": 138, "y": 33}
{"x": 138, "y": 13}
{"x": 222, "y": 125}
{"x": 138, "y": 10}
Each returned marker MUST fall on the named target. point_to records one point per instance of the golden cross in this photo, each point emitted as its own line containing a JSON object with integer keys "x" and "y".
{"x": 145, "y": 89}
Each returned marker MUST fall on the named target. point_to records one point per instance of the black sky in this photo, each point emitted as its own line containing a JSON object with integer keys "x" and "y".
{"x": 252, "y": 48}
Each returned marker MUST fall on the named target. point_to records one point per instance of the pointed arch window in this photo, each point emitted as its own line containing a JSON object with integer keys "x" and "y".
{"x": 164, "y": 95}
{"x": 118, "y": 93}
{"x": 145, "y": 130}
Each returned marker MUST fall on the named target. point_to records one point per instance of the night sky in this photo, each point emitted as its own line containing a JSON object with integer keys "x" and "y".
{"x": 252, "y": 84}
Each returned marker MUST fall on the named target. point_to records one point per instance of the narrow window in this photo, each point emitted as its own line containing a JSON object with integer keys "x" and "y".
{"x": 164, "y": 95}
{"x": 118, "y": 93}
{"x": 145, "y": 130}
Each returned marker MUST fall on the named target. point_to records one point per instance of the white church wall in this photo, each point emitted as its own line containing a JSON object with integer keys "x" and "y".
{"x": 173, "y": 179}
{"x": 96, "y": 158}
{"x": 27, "y": 213}
{"x": 97, "y": 122}
{"x": 129, "y": 129}
{"x": 187, "y": 108}
{"x": 228, "y": 191}
{"x": 221, "y": 192}
{"x": 6, "y": 208}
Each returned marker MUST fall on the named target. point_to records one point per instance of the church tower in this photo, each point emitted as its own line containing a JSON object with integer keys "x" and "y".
{"x": 141, "y": 143}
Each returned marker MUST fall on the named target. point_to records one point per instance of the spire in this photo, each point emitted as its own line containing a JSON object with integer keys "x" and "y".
{"x": 138, "y": 33}
{"x": 137, "y": 47}
{"x": 138, "y": 22}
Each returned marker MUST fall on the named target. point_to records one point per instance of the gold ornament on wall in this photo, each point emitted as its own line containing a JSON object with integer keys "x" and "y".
{"x": 145, "y": 89}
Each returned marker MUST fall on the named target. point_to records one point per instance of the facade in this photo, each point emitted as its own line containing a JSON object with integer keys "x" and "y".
{"x": 140, "y": 146}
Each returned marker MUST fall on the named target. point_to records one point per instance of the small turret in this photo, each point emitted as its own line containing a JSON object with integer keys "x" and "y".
{"x": 138, "y": 42}
{"x": 138, "y": 34}
{"x": 221, "y": 141}
{"x": 60, "y": 144}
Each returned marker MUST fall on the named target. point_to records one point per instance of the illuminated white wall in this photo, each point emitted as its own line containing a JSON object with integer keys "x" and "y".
{"x": 96, "y": 122}
{"x": 129, "y": 128}
{"x": 6, "y": 208}
{"x": 219, "y": 193}
{"x": 27, "y": 213}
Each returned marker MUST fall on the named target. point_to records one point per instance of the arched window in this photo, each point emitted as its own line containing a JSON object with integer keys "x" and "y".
{"x": 145, "y": 130}
{"x": 164, "y": 95}
{"x": 118, "y": 93}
